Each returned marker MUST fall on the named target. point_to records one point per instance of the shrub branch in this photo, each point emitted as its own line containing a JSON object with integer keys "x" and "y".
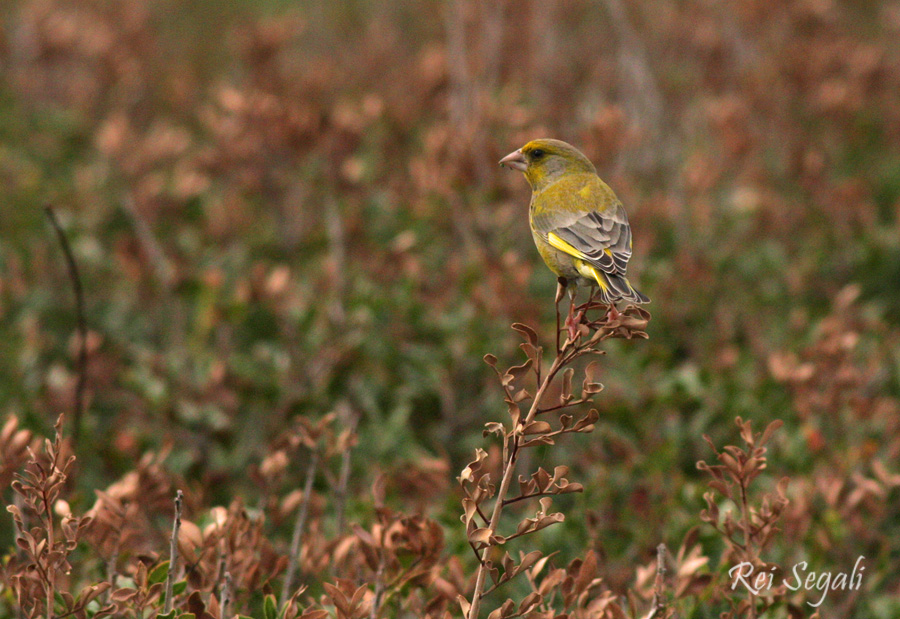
{"x": 75, "y": 277}
{"x": 584, "y": 336}
{"x": 299, "y": 525}
{"x": 173, "y": 552}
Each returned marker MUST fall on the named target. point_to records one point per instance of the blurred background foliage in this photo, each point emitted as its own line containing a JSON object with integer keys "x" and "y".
{"x": 282, "y": 208}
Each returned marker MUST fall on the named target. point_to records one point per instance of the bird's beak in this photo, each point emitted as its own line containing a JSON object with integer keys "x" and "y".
{"x": 515, "y": 161}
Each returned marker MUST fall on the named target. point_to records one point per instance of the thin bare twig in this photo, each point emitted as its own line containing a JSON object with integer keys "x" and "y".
{"x": 163, "y": 272}
{"x": 522, "y": 497}
{"x": 224, "y": 577}
{"x": 337, "y": 252}
{"x": 340, "y": 493}
{"x": 659, "y": 587}
{"x": 75, "y": 277}
{"x": 379, "y": 586}
{"x": 150, "y": 246}
{"x": 561, "y": 406}
{"x": 481, "y": 513}
{"x": 294, "y": 558}
{"x": 173, "y": 553}
{"x": 227, "y": 592}
{"x": 112, "y": 572}
{"x": 19, "y": 502}
{"x": 51, "y": 545}
{"x": 642, "y": 96}
{"x": 745, "y": 509}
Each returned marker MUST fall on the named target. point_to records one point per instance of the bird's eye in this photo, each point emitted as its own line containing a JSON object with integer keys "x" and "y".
{"x": 537, "y": 153}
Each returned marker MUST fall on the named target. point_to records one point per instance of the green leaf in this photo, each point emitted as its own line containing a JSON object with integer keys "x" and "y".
{"x": 159, "y": 573}
{"x": 187, "y": 616}
{"x": 179, "y": 587}
{"x": 270, "y": 608}
{"x": 168, "y": 615}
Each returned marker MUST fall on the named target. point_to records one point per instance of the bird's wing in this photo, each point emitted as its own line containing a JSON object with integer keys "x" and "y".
{"x": 581, "y": 227}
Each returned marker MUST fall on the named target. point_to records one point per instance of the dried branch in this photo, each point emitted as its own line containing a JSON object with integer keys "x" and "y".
{"x": 659, "y": 587}
{"x": 340, "y": 491}
{"x": 163, "y": 271}
{"x": 227, "y": 594}
{"x": 173, "y": 552}
{"x": 75, "y": 277}
{"x": 584, "y": 336}
{"x": 294, "y": 558}
{"x": 379, "y": 586}
{"x": 337, "y": 253}
{"x": 508, "y": 471}
{"x": 745, "y": 517}
{"x": 731, "y": 480}
{"x": 641, "y": 93}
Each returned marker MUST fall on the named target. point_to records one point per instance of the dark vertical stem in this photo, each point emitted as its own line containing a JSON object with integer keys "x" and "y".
{"x": 173, "y": 553}
{"x": 75, "y": 277}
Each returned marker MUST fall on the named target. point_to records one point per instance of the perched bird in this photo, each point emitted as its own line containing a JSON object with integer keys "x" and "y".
{"x": 578, "y": 224}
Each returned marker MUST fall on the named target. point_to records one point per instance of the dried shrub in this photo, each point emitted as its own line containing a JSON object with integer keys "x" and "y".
{"x": 39, "y": 577}
{"x": 749, "y": 527}
{"x": 484, "y": 501}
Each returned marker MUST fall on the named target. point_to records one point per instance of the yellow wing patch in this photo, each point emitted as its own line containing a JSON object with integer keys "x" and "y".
{"x": 586, "y": 270}
{"x": 567, "y": 248}
{"x": 562, "y": 246}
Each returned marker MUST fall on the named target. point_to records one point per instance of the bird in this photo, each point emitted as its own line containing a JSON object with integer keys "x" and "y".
{"x": 579, "y": 226}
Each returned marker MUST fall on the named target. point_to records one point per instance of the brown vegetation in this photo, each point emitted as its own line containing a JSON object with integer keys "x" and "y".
{"x": 294, "y": 249}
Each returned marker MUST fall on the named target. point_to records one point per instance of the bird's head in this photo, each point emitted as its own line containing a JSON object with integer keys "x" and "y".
{"x": 545, "y": 161}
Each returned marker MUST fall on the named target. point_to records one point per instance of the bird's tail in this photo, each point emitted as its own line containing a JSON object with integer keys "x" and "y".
{"x": 614, "y": 287}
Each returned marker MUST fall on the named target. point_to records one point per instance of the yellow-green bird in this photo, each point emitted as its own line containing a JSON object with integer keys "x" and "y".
{"x": 578, "y": 224}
